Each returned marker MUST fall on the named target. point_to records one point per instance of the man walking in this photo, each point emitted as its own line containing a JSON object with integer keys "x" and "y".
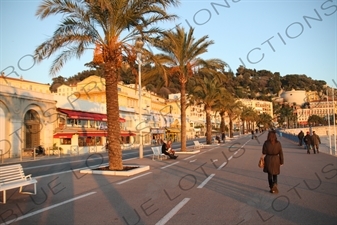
{"x": 300, "y": 138}
{"x": 308, "y": 142}
{"x": 315, "y": 142}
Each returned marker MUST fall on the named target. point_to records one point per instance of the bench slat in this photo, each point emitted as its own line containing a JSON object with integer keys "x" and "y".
{"x": 17, "y": 184}
{"x": 11, "y": 173}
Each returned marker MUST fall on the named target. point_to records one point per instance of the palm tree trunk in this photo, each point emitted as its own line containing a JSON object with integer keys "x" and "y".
{"x": 208, "y": 127}
{"x": 222, "y": 122}
{"x": 183, "y": 116}
{"x": 115, "y": 151}
{"x": 230, "y": 127}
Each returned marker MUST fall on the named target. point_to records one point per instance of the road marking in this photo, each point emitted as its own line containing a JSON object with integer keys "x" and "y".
{"x": 189, "y": 157}
{"x": 173, "y": 211}
{"x": 169, "y": 165}
{"x": 206, "y": 180}
{"x": 122, "y": 182}
{"x": 47, "y": 208}
{"x": 222, "y": 165}
{"x": 193, "y": 160}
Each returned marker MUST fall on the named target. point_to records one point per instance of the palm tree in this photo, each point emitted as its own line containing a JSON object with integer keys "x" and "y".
{"x": 232, "y": 107}
{"x": 286, "y": 112}
{"x": 249, "y": 115}
{"x": 111, "y": 26}
{"x": 208, "y": 92}
{"x": 264, "y": 120}
{"x": 179, "y": 57}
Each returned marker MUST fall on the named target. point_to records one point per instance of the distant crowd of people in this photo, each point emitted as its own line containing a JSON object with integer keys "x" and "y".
{"x": 311, "y": 142}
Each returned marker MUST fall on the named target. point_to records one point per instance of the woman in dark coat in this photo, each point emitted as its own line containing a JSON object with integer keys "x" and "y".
{"x": 273, "y": 159}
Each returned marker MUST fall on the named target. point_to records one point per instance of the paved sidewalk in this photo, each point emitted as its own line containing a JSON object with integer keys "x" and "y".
{"x": 221, "y": 185}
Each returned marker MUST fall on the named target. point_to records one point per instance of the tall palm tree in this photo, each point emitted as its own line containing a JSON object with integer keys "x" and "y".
{"x": 180, "y": 57}
{"x": 110, "y": 25}
{"x": 208, "y": 92}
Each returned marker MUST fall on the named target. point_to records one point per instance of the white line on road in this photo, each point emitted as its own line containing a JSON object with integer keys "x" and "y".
{"x": 206, "y": 180}
{"x": 222, "y": 165}
{"x": 193, "y": 160}
{"x": 169, "y": 165}
{"x": 231, "y": 157}
{"x": 47, "y": 208}
{"x": 122, "y": 182}
{"x": 173, "y": 211}
{"x": 189, "y": 157}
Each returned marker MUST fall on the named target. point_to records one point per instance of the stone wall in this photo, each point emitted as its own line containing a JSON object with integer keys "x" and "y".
{"x": 319, "y": 130}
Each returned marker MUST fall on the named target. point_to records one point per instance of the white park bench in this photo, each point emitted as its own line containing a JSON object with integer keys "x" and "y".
{"x": 12, "y": 176}
{"x": 198, "y": 145}
{"x": 157, "y": 153}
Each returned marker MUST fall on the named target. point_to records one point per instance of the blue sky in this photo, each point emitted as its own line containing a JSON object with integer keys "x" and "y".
{"x": 290, "y": 37}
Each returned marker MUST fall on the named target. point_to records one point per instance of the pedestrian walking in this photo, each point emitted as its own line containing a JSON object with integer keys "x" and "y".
{"x": 300, "y": 138}
{"x": 273, "y": 159}
{"x": 315, "y": 142}
{"x": 308, "y": 141}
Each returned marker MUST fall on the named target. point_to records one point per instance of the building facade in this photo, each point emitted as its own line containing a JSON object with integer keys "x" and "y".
{"x": 26, "y": 120}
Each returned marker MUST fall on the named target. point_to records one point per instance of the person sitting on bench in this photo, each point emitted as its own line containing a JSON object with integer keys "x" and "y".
{"x": 167, "y": 150}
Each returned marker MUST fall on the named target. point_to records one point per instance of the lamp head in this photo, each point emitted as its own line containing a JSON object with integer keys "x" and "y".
{"x": 139, "y": 43}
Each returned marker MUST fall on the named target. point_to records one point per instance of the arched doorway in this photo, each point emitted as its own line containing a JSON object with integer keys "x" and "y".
{"x": 32, "y": 129}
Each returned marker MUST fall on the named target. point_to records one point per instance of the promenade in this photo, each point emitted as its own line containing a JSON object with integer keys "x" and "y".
{"x": 220, "y": 185}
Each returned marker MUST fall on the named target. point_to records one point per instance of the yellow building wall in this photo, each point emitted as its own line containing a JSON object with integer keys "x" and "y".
{"x": 25, "y": 84}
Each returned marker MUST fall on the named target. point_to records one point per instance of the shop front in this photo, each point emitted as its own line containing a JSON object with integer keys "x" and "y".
{"x": 173, "y": 134}
{"x": 81, "y": 132}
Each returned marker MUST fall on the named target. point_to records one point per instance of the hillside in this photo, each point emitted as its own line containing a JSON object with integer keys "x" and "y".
{"x": 245, "y": 83}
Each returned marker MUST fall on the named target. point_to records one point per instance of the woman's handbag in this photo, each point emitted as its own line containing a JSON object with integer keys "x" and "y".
{"x": 261, "y": 162}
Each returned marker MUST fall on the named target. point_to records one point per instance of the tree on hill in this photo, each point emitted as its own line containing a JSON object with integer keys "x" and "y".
{"x": 301, "y": 82}
{"x": 58, "y": 81}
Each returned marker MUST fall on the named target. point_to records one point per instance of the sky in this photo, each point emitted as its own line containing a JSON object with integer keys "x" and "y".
{"x": 289, "y": 37}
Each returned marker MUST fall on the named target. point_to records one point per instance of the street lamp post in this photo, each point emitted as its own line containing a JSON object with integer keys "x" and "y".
{"x": 139, "y": 45}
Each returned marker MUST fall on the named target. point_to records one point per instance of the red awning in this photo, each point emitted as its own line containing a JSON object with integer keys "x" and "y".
{"x": 90, "y": 134}
{"x": 63, "y": 135}
{"x": 75, "y": 114}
